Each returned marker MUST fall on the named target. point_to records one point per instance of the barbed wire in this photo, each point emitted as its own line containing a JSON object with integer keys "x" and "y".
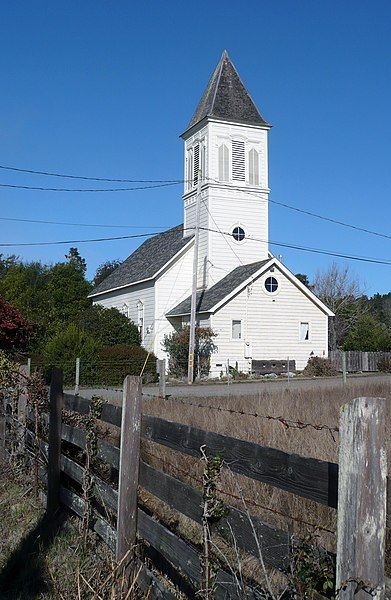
{"x": 236, "y": 496}
{"x": 286, "y": 422}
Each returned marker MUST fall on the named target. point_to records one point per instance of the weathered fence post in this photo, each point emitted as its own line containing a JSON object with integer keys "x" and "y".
{"x": 128, "y": 470}
{"x": 22, "y": 408}
{"x": 55, "y": 406}
{"x": 344, "y": 367}
{"x": 361, "y": 500}
{"x": 77, "y": 376}
{"x": 161, "y": 369}
{"x": 3, "y": 427}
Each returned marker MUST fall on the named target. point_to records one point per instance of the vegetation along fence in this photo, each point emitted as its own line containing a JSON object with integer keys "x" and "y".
{"x": 106, "y": 488}
{"x": 359, "y": 361}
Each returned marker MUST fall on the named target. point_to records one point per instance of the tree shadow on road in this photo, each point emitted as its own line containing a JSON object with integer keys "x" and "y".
{"x": 23, "y": 576}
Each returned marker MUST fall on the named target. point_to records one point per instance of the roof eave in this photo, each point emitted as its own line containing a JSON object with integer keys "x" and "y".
{"x": 211, "y": 118}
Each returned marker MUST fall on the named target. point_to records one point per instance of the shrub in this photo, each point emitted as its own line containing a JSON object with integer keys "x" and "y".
{"x": 368, "y": 335}
{"x": 115, "y": 362}
{"x": 15, "y": 331}
{"x": 109, "y": 326}
{"x": 177, "y": 347}
{"x": 319, "y": 367}
{"x": 384, "y": 365}
{"x": 65, "y": 346}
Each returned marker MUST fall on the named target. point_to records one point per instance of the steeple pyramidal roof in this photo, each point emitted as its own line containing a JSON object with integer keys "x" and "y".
{"x": 226, "y": 98}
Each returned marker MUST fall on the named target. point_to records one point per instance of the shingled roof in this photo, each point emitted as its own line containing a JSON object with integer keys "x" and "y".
{"x": 146, "y": 261}
{"x": 226, "y": 98}
{"x": 207, "y": 299}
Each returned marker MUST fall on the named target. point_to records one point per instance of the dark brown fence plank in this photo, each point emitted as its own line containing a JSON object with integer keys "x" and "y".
{"x": 148, "y": 583}
{"x": 110, "y": 413}
{"x": 106, "y": 452}
{"x": 274, "y": 543}
{"x": 306, "y": 477}
{"x": 55, "y": 403}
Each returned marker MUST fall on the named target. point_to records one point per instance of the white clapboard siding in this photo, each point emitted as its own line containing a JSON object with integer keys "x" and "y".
{"x": 131, "y": 296}
{"x": 271, "y": 323}
{"x": 172, "y": 286}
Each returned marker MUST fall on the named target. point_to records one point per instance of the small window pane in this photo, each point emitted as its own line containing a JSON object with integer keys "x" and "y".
{"x": 236, "y": 330}
{"x": 271, "y": 285}
{"x": 223, "y": 163}
{"x": 304, "y": 332}
{"x": 238, "y": 234}
{"x": 253, "y": 167}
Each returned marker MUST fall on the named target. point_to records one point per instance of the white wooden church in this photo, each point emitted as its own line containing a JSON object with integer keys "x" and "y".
{"x": 256, "y": 306}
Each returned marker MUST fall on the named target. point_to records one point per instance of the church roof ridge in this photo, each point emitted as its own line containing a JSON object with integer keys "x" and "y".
{"x": 226, "y": 98}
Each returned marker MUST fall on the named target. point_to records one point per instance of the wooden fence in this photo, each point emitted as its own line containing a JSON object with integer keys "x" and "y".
{"x": 358, "y": 361}
{"x": 357, "y": 487}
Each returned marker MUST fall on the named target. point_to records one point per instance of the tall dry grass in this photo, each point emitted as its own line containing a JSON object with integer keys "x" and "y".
{"x": 316, "y": 406}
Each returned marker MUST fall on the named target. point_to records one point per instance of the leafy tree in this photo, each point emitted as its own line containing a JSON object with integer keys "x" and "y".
{"x": 6, "y": 262}
{"x": 341, "y": 292}
{"x": 109, "y": 326}
{"x": 304, "y": 279}
{"x": 67, "y": 291}
{"x": 177, "y": 347}
{"x": 15, "y": 331}
{"x": 68, "y": 344}
{"x": 368, "y": 335}
{"x": 75, "y": 259}
{"x": 105, "y": 269}
{"x": 380, "y": 308}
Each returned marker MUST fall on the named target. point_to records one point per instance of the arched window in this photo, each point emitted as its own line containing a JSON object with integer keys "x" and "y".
{"x": 125, "y": 309}
{"x": 253, "y": 167}
{"x": 223, "y": 163}
{"x": 140, "y": 319}
{"x": 189, "y": 175}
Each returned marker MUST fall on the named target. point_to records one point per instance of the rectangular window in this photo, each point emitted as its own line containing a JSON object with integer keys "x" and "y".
{"x": 236, "y": 330}
{"x": 304, "y": 335}
{"x": 203, "y": 160}
{"x": 238, "y": 161}
{"x": 189, "y": 175}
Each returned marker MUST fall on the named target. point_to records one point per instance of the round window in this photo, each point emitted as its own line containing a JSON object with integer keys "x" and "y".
{"x": 238, "y": 234}
{"x": 271, "y": 285}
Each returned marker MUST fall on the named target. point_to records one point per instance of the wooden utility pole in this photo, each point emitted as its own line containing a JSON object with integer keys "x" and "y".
{"x": 190, "y": 369}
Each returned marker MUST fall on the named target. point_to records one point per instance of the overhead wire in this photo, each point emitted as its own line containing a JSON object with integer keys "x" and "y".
{"x": 49, "y": 189}
{"x": 43, "y": 222}
{"x": 86, "y": 178}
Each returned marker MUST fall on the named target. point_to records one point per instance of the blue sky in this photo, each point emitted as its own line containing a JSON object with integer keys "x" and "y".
{"x": 104, "y": 88}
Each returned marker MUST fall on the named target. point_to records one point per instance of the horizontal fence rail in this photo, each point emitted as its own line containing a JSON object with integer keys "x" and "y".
{"x": 117, "y": 514}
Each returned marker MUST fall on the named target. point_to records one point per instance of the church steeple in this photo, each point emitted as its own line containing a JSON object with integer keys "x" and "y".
{"x": 226, "y": 98}
{"x": 226, "y": 142}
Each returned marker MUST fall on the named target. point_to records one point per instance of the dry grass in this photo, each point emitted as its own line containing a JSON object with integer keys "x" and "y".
{"x": 314, "y": 406}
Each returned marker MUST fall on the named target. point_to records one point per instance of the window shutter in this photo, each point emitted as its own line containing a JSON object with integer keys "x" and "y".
{"x": 238, "y": 161}
{"x": 253, "y": 167}
{"x": 223, "y": 163}
{"x": 190, "y": 169}
{"x": 196, "y": 163}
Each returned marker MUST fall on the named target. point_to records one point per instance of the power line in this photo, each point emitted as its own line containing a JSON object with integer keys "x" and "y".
{"x": 316, "y": 215}
{"x": 48, "y": 189}
{"x": 308, "y": 249}
{"x": 105, "y": 239}
{"x": 67, "y": 176}
{"x": 82, "y": 224}
{"x": 141, "y": 235}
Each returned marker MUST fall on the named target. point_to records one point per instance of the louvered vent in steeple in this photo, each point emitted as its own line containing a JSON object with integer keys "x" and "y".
{"x": 196, "y": 163}
{"x": 238, "y": 161}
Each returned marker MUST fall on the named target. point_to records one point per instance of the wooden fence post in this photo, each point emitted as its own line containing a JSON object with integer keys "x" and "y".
{"x": 22, "y": 408}
{"x": 128, "y": 469}
{"x": 161, "y": 369}
{"x": 77, "y": 376}
{"x": 361, "y": 500}
{"x": 3, "y": 427}
{"x": 344, "y": 367}
{"x": 55, "y": 406}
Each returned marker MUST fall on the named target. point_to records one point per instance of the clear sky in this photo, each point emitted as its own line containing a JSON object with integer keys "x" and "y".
{"x": 104, "y": 88}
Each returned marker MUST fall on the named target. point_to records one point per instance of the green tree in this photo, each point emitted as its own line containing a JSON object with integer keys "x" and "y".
{"x": 368, "y": 335}
{"x": 109, "y": 326}
{"x": 76, "y": 260}
{"x": 6, "y": 262}
{"x": 304, "y": 279}
{"x": 380, "y": 307}
{"x": 177, "y": 347}
{"x": 105, "y": 269}
{"x": 68, "y": 344}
